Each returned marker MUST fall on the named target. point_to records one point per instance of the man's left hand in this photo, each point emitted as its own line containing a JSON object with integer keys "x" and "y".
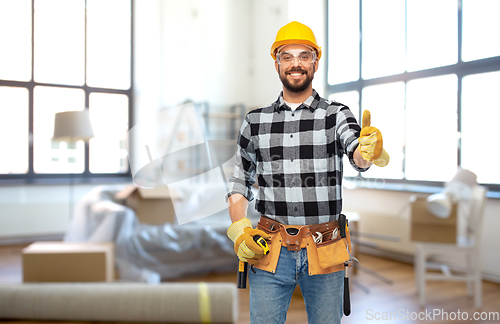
{"x": 371, "y": 143}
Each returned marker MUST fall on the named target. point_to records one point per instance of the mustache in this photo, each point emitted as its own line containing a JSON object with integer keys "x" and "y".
{"x": 296, "y": 70}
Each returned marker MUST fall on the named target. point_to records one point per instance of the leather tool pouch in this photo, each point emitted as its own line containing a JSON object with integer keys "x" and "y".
{"x": 329, "y": 255}
{"x": 293, "y": 236}
{"x": 270, "y": 261}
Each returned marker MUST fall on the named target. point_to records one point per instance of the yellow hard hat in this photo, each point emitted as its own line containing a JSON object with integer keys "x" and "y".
{"x": 295, "y": 33}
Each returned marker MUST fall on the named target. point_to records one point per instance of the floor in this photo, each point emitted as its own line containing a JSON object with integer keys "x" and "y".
{"x": 373, "y": 299}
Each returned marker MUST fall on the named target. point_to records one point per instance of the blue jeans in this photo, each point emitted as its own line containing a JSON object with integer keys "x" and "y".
{"x": 271, "y": 293}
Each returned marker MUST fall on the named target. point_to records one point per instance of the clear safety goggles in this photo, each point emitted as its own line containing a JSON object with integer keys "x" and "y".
{"x": 288, "y": 57}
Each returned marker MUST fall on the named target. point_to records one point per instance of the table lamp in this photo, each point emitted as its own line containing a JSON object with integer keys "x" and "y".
{"x": 72, "y": 126}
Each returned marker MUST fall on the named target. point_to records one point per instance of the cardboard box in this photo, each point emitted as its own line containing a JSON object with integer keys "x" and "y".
{"x": 68, "y": 262}
{"x": 425, "y": 227}
{"x": 152, "y": 206}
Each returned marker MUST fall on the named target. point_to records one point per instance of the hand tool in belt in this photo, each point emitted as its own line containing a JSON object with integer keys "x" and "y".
{"x": 347, "y": 298}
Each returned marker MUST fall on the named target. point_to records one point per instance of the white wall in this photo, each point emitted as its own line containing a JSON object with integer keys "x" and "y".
{"x": 36, "y": 210}
{"x": 196, "y": 50}
{"x": 268, "y": 18}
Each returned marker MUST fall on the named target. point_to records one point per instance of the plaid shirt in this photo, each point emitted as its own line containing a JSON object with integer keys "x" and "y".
{"x": 297, "y": 159}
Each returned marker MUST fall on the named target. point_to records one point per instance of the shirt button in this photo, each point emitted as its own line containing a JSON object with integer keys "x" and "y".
{"x": 291, "y": 160}
{"x": 295, "y": 209}
{"x": 293, "y": 115}
{"x": 291, "y": 135}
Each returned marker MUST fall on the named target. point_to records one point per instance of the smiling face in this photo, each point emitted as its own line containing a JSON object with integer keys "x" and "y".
{"x": 297, "y": 76}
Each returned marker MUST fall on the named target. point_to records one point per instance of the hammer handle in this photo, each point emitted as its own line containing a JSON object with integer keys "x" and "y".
{"x": 347, "y": 298}
{"x": 241, "y": 281}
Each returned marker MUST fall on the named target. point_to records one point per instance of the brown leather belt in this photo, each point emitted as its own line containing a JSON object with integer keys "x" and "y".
{"x": 294, "y": 236}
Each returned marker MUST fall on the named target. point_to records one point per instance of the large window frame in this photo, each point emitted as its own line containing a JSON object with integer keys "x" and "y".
{"x": 461, "y": 69}
{"x": 30, "y": 177}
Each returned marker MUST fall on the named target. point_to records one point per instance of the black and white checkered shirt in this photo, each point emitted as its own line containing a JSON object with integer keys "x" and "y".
{"x": 297, "y": 159}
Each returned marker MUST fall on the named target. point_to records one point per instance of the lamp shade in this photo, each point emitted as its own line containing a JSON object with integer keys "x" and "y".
{"x": 72, "y": 126}
{"x": 460, "y": 187}
{"x": 440, "y": 204}
{"x": 465, "y": 177}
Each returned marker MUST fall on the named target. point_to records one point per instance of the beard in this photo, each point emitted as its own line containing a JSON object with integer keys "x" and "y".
{"x": 297, "y": 85}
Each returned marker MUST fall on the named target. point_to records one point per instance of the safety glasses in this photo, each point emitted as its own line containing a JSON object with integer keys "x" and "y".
{"x": 288, "y": 57}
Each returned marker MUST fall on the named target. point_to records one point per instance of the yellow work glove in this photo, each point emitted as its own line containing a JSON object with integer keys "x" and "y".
{"x": 242, "y": 233}
{"x": 371, "y": 143}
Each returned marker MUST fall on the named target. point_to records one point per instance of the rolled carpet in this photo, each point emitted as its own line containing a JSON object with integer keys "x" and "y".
{"x": 121, "y": 302}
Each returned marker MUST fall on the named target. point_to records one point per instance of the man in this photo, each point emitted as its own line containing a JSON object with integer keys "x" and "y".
{"x": 294, "y": 149}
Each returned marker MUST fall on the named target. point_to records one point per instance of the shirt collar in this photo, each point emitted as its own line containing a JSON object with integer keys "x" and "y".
{"x": 310, "y": 103}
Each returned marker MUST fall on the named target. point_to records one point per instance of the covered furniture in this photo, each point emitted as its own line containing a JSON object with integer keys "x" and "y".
{"x": 154, "y": 253}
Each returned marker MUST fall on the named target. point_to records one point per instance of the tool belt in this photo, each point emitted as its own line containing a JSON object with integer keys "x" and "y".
{"x": 325, "y": 257}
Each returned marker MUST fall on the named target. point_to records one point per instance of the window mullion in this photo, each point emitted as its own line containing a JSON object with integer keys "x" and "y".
{"x": 406, "y": 38}
{"x": 404, "y": 146}
{"x": 360, "y": 77}
{"x": 406, "y": 88}
{"x": 130, "y": 91}
{"x": 31, "y": 87}
{"x": 85, "y": 53}
{"x": 86, "y": 170}
{"x": 459, "y": 30}
{"x": 460, "y": 76}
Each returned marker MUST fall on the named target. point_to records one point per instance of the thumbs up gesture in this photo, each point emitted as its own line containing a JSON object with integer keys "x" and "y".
{"x": 371, "y": 143}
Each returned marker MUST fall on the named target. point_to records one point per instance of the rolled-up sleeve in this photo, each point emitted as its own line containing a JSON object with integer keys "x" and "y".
{"x": 348, "y": 131}
{"x": 244, "y": 169}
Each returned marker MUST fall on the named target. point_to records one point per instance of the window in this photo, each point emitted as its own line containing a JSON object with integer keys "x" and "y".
{"x": 383, "y": 38}
{"x": 431, "y": 128}
{"x": 14, "y": 131}
{"x": 480, "y": 113}
{"x": 64, "y": 55}
{"x": 428, "y": 71}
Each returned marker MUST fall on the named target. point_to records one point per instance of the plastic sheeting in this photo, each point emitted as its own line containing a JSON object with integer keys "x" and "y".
{"x": 151, "y": 253}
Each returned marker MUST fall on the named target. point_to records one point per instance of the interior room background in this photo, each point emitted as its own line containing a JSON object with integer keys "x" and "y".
{"x": 217, "y": 51}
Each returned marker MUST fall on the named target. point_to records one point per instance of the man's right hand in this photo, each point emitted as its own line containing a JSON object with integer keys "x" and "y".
{"x": 242, "y": 233}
